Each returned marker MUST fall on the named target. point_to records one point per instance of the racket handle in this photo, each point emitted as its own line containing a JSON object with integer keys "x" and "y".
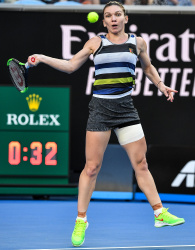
{"x": 27, "y": 65}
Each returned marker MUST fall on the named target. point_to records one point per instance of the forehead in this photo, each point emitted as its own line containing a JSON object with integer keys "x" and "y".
{"x": 113, "y": 9}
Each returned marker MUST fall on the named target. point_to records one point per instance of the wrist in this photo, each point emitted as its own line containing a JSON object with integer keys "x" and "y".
{"x": 160, "y": 82}
{"x": 42, "y": 58}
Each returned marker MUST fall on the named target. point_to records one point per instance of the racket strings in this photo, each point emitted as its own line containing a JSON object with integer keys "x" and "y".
{"x": 17, "y": 74}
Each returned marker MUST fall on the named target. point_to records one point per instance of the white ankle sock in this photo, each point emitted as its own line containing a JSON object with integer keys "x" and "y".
{"x": 80, "y": 218}
{"x": 158, "y": 211}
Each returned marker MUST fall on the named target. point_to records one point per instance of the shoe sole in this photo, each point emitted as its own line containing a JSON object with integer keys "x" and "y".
{"x": 83, "y": 240}
{"x": 78, "y": 245}
{"x": 167, "y": 224}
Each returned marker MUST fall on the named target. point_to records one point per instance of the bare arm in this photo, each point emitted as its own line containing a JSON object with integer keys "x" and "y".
{"x": 64, "y": 65}
{"x": 151, "y": 72}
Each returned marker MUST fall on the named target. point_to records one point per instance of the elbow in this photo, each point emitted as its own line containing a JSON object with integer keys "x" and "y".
{"x": 70, "y": 70}
{"x": 147, "y": 69}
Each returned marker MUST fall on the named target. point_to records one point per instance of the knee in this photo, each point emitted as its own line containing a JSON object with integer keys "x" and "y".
{"x": 92, "y": 169}
{"x": 142, "y": 165}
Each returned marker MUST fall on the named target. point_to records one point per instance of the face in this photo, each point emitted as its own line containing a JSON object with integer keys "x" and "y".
{"x": 114, "y": 19}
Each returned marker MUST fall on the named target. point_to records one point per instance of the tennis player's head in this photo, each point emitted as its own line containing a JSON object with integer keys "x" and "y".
{"x": 114, "y": 16}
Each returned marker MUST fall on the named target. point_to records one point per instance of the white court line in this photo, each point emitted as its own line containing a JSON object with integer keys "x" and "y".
{"x": 101, "y": 248}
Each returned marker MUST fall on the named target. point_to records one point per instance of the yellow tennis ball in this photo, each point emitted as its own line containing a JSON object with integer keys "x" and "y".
{"x": 92, "y": 17}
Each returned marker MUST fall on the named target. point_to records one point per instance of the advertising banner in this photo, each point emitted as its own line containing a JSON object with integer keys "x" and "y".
{"x": 173, "y": 169}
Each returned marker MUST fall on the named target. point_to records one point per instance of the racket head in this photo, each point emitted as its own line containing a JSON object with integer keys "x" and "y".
{"x": 18, "y": 73}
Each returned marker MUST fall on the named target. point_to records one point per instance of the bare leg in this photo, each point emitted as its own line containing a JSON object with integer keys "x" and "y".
{"x": 96, "y": 143}
{"x": 137, "y": 154}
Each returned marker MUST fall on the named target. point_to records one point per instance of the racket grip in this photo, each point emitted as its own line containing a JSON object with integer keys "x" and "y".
{"x": 27, "y": 65}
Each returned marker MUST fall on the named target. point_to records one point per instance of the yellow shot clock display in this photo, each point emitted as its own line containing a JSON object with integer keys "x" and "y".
{"x": 34, "y": 148}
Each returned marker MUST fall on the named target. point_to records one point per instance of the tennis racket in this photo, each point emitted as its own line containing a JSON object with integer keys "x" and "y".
{"x": 19, "y": 73}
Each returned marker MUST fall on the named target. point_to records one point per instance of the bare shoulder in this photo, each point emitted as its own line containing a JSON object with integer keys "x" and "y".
{"x": 141, "y": 44}
{"x": 93, "y": 43}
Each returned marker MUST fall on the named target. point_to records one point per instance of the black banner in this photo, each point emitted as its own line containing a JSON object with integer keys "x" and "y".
{"x": 171, "y": 47}
{"x": 173, "y": 168}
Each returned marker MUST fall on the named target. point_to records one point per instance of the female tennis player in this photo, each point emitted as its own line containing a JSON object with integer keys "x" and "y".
{"x": 111, "y": 107}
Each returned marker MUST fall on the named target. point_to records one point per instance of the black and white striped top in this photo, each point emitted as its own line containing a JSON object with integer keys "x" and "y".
{"x": 115, "y": 68}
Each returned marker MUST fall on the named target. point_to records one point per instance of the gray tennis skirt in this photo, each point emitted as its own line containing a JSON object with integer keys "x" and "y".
{"x": 107, "y": 114}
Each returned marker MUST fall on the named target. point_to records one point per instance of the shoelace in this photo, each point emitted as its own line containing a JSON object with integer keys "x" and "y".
{"x": 79, "y": 227}
{"x": 168, "y": 215}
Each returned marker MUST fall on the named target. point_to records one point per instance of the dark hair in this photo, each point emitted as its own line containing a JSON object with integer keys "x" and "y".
{"x": 114, "y": 3}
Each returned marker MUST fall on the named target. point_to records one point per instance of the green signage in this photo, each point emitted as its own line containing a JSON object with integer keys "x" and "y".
{"x": 34, "y": 148}
{"x": 40, "y": 108}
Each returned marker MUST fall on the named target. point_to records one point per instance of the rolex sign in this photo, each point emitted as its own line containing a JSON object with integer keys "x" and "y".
{"x": 37, "y": 109}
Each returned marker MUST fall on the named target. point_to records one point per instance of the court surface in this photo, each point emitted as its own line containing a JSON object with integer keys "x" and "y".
{"x": 48, "y": 225}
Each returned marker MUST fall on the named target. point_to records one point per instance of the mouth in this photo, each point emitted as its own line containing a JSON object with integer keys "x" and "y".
{"x": 114, "y": 26}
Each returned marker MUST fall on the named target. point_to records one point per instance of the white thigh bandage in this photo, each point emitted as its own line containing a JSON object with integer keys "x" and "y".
{"x": 129, "y": 134}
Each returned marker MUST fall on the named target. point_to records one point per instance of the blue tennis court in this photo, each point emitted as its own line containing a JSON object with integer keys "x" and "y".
{"x": 48, "y": 224}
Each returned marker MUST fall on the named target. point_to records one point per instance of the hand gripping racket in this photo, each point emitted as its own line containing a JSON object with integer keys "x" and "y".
{"x": 18, "y": 73}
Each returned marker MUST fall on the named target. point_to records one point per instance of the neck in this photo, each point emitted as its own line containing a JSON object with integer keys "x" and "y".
{"x": 117, "y": 38}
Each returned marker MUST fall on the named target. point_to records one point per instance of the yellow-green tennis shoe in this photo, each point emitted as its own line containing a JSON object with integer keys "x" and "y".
{"x": 78, "y": 235}
{"x": 167, "y": 219}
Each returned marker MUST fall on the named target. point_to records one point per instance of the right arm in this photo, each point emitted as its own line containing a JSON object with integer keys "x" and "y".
{"x": 68, "y": 66}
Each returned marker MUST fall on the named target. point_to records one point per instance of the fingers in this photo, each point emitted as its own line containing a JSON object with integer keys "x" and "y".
{"x": 33, "y": 60}
{"x": 169, "y": 94}
{"x": 170, "y": 97}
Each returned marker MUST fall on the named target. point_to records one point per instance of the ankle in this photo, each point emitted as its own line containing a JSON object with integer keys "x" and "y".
{"x": 157, "y": 206}
{"x": 81, "y": 214}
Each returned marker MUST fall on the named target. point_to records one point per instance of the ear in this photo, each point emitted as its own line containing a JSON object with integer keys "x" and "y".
{"x": 126, "y": 19}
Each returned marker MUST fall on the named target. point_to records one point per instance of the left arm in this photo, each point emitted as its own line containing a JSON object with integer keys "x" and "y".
{"x": 151, "y": 72}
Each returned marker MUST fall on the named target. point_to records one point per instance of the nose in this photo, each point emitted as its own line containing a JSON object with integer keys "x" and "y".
{"x": 113, "y": 18}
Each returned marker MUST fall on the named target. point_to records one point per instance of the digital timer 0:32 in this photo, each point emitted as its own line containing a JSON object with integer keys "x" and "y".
{"x": 36, "y": 149}
{"x": 34, "y": 153}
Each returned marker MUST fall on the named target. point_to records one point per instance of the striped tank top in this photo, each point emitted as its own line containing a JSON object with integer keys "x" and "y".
{"x": 115, "y": 68}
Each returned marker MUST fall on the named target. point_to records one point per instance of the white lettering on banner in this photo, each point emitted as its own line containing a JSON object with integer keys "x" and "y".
{"x": 188, "y": 173}
{"x": 147, "y": 84}
{"x": 170, "y": 46}
{"x": 90, "y": 80}
{"x": 184, "y": 82}
{"x": 185, "y": 45}
{"x": 41, "y": 120}
{"x": 193, "y": 91}
{"x": 12, "y": 118}
{"x": 173, "y": 72}
{"x": 67, "y": 39}
{"x": 139, "y": 76}
{"x": 23, "y": 119}
{"x": 32, "y": 122}
{"x": 91, "y": 34}
{"x": 54, "y": 120}
{"x": 148, "y": 39}
{"x": 167, "y": 51}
